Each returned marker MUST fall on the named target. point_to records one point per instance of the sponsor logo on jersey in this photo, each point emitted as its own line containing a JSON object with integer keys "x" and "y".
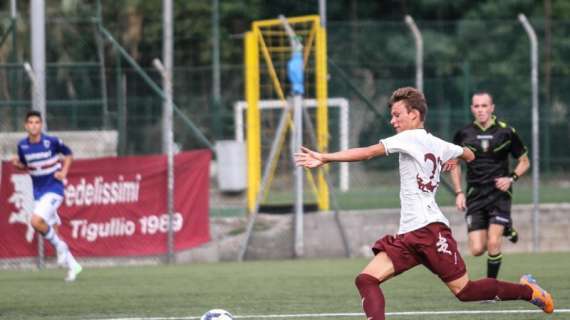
{"x": 37, "y": 156}
{"x": 485, "y": 141}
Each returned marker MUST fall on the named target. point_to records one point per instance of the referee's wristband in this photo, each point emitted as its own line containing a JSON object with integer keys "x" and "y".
{"x": 458, "y": 192}
{"x": 514, "y": 176}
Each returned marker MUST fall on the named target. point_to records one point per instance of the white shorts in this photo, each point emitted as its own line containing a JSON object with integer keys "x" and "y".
{"x": 46, "y": 208}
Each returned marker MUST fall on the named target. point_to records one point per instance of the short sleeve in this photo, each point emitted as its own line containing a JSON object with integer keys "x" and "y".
{"x": 399, "y": 143}
{"x": 518, "y": 149}
{"x": 21, "y": 155}
{"x": 451, "y": 151}
{"x": 60, "y": 147}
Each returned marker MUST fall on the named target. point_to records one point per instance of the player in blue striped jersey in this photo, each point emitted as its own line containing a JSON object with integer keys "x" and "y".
{"x": 40, "y": 155}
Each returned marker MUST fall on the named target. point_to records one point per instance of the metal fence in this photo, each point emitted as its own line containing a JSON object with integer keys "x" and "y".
{"x": 91, "y": 87}
{"x": 98, "y": 97}
{"x": 371, "y": 59}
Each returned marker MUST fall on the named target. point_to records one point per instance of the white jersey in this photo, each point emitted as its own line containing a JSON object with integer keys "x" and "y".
{"x": 421, "y": 158}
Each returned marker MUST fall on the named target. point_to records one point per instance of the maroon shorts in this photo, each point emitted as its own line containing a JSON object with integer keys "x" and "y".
{"x": 432, "y": 245}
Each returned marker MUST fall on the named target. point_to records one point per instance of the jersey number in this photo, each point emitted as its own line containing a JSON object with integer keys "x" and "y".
{"x": 430, "y": 185}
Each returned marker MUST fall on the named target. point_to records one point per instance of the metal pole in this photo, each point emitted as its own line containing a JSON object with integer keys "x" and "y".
{"x": 121, "y": 107}
{"x": 323, "y": 12}
{"x": 535, "y": 132}
{"x": 216, "y": 74}
{"x": 466, "y": 91}
{"x": 32, "y": 76}
{"x": 37, "y": 16}
{"x": 344, "y": 178}
{"x": 30, "y": 72}
{"x": 14, "y": 74}
{"x": 419, "y": 52}
{"x": 167, "y": 49}
{"x": 99, "y": 12}
{"x": 295, "y": 75}
{"x": 103, "y": 75}
{"x": 167, "y": 127}
{"x": 170, "y": 159}
{"x": 101, "y": 54}
{"x": 299, "y": 176}
{"x": 13, "y": 9}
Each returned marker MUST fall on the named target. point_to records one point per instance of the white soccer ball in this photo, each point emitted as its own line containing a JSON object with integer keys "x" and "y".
{"x": 217, "y": 314}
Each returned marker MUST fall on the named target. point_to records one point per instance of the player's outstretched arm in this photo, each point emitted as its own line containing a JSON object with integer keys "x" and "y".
{"x": 467, "y": 155}
{"x": 312, "y": 159}
{"x": 452, "y": 164}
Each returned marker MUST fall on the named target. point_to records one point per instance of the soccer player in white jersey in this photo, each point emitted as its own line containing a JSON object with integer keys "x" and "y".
{"x": 424, "y": 236}
{"x": 39, "y": 154}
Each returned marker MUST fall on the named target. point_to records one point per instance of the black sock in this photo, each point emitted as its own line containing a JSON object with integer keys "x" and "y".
{"x": 493, "y": 265}
{"x": 507, "y": 231}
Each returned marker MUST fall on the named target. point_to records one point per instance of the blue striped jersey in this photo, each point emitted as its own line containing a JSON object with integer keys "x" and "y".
{"x": 42, "y": 160}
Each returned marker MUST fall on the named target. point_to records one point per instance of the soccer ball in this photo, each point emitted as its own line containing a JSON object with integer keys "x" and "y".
{"x": 217, "y": 314}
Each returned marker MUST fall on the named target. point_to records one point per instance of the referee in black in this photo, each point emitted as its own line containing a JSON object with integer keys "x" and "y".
{"x": 489, "y": 180}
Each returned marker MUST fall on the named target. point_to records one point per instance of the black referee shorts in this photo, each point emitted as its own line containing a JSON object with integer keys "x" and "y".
{"x": 487, "y": 205}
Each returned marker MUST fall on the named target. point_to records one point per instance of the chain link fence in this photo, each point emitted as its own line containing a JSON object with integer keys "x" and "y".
{"x": 94, "y": 94}
{"x": 97, "y": 99}
{"x": 371, "y": 59}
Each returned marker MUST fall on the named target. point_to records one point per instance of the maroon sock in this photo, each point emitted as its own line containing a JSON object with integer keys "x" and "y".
{"x": 372, "y": 298}
{"x": 491, "y": 289}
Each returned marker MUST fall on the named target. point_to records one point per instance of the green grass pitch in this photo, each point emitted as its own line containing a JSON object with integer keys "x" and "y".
{"x": 260, "y": 288}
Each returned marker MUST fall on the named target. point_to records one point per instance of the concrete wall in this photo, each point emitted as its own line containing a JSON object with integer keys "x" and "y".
{"x": 84, "y": 144}
{"x": 274, "y": 236}
{"x": 554, "y": 227}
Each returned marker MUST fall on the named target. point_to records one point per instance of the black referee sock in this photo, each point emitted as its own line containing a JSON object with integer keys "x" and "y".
{"x": 493, "y": 265}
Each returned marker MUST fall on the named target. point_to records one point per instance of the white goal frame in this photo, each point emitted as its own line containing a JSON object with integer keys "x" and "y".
{"x": 341, "y": 103}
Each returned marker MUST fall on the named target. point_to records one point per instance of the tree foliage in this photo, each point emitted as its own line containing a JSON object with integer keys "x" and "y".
{"x": 469, "y": 45}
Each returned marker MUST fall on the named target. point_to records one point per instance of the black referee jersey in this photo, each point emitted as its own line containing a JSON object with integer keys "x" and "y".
{"x": 492, "y": 147}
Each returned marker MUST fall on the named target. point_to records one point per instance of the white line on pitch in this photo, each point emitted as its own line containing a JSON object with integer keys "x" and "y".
{"x": 320, "y": 315}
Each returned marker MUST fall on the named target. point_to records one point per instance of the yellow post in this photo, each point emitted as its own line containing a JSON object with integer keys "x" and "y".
{"x": 256, "y": 47}
{"x": 322, "y": 112}
{"x": 253, "y": 120}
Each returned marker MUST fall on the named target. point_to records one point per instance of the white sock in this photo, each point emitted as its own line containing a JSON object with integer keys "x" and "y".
{"x": 54, "y": 239}
{"x": 71, "y": 260}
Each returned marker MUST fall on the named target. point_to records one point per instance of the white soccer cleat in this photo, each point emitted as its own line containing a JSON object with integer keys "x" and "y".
{"x": 73, "y": 271}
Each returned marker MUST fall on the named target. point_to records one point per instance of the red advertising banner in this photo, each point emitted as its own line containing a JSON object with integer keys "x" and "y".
{"x": 113, "y": 207}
